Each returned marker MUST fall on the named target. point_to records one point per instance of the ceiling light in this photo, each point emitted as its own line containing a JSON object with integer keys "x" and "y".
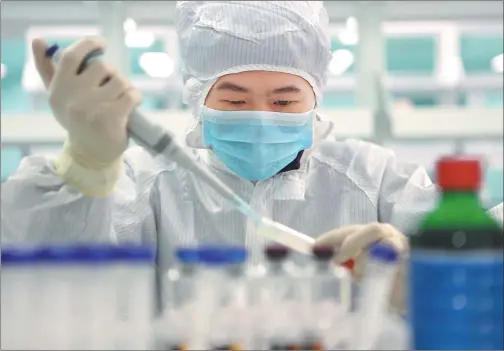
{"x": 350, "y": 34}
{"x": 139, "y": 39}
{"x": 351, "y": 23}
{"x": 129, "y": 25}
{"x": 498, "y": 63}
{"x": 157, "y": 64}
{"x": 347, "y": 37}
{"x": 341, "y": 61}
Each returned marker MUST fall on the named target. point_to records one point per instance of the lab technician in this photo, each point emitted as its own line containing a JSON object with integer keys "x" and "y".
{"x": 253, "y": 77}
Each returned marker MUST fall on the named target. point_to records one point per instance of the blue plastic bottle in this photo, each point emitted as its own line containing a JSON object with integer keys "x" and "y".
{"x": 456, "y": 268}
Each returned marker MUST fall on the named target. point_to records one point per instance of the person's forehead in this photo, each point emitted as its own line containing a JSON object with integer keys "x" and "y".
{"x": 264, "y": 81}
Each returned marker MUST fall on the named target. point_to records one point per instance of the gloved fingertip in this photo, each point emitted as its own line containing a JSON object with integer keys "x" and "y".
{"x": 342, "y": 258}
{"x": 324, "y": 240}
{"x": 338, "y": 235}
{"x": 334, "y": 237}
{"x": 39, "y": 44}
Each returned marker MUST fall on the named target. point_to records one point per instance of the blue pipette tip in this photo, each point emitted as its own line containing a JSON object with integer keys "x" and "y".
{"x": 52, "y": 50}
{"x": 383, "y": 252}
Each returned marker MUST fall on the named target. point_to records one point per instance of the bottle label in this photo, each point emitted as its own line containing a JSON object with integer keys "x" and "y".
{"x": 462, "y": 292}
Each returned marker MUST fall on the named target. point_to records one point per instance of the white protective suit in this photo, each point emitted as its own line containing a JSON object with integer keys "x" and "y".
{"x": 339, "y": 183}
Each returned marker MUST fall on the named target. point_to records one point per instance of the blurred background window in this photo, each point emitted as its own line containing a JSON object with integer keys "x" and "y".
{"x": 438, "y": 57}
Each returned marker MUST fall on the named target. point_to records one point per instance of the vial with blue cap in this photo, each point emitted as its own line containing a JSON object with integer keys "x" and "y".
{"x": 70, "y": 289}
{"x": 19, "y": 293}
{"x": 275, "y": 295}
{"x": 178, "y": 281}
{"x": 134, "y": 276}
{"x": 374, "y": 299}
{"x": 72, "y": 294}
{"x": 223, "y": 299}
{"x": 326, "y": 298}
{"x": 174, "y": 327}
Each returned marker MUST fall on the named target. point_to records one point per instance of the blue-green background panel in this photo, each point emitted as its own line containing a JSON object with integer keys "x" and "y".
{"x": 478, "y": 50}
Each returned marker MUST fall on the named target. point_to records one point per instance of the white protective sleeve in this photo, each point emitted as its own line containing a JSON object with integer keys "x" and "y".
{"x": 38, "y": 206}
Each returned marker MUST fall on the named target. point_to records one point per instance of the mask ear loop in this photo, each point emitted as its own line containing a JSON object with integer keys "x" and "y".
{"x": 319, "y": 120}
{"x": 319, "y": 133}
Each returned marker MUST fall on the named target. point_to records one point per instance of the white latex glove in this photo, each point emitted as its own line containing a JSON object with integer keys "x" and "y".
{"x": 352, "y": 242}
{"x": 93, "y": 107}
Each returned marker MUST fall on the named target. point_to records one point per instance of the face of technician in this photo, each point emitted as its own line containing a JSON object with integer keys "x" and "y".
{"x": 257, "y": 122}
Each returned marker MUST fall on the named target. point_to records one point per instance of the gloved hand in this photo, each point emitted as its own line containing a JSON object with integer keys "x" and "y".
{"x": 93, "y": 107}
{"x": 352, "y": 242}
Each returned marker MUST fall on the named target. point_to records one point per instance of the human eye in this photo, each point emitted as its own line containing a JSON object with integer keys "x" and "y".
{"x": 235, "y": 102}
{"x": 283, "y": 102}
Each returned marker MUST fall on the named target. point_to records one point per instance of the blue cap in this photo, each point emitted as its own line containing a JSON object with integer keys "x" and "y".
{"x": 78, "y": 253}
{"x": 135, "y": 253}
{"x": 221, "y": 255}
{"x": 91, "y": 253}
{"x": 20, "y": 255}
{"x": 383, "y": 252}
{"x": 187, "y": 255}
{"x": 52, "y": 50}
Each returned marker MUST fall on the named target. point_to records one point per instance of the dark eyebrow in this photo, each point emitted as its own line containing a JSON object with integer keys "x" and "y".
{"x": 232, "y": 87}
{"x": 288, "y": 89}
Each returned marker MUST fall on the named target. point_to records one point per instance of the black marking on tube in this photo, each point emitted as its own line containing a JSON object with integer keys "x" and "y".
{"x": 158, "y": 147}
{"x": 163, "y": 143}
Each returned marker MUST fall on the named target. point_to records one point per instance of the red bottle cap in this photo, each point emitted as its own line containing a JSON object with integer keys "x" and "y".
{"x": 458, "y": 173}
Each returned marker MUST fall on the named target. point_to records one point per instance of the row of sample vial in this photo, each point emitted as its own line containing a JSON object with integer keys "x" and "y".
{"x": 107, "y": 297}
{"x": 77, "y": 297}
{"x": 103, "y": 297}
{"x": 214, "y": 301}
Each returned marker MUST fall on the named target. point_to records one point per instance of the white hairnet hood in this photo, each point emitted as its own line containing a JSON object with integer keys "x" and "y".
{"x": 224, "y": 37}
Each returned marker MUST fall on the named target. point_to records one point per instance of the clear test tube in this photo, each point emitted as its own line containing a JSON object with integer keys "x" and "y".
{"x": 326, "y": 297}
{"x": 134, "y": 289}
{"x": 20, "y": 297}
{"x": 174, "y": 328}
{"x": 279, "y": 298}
{"x": 68, "y": 294}
{"x": 373, "y": 302}
{"x": 223, "y": 300}
{"x": 81, "y": 295}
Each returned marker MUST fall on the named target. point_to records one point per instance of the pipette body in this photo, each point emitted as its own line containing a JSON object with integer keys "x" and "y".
{"x": 158, "y": 140}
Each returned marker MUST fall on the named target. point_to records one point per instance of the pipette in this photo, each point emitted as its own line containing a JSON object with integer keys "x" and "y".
{"x": 157, "y": 140}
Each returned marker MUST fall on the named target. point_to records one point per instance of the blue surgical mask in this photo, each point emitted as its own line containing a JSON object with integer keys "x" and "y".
{"x": 256, "y": 145}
